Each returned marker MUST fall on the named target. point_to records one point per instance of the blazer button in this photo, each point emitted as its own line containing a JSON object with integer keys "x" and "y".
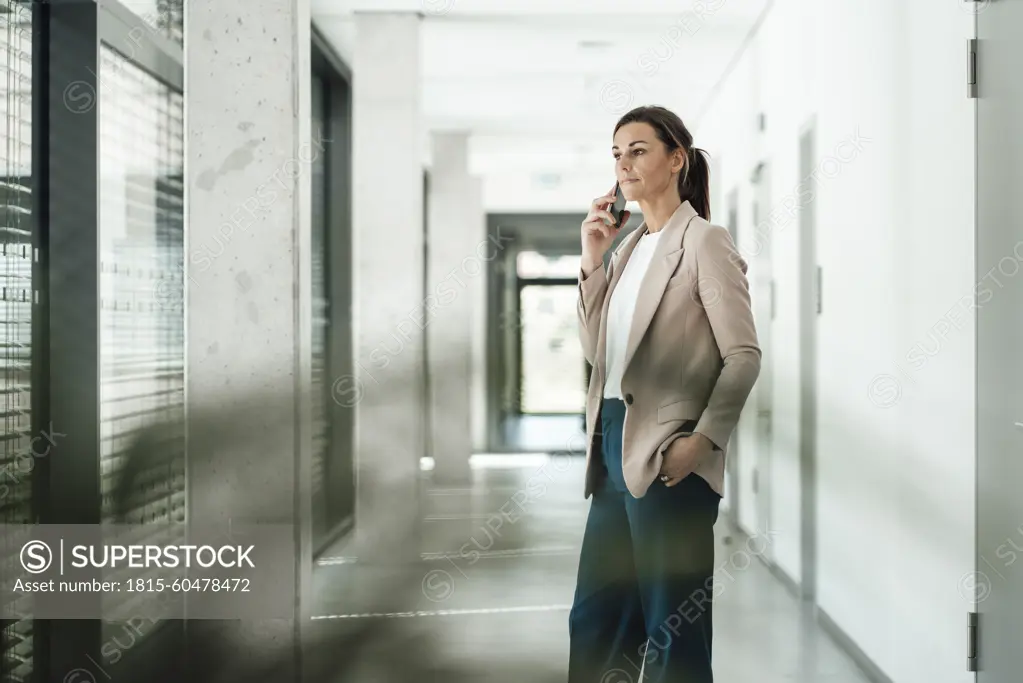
{"x": 628, "y": 399}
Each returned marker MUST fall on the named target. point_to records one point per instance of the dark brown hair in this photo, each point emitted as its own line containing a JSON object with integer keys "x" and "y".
{"x": 694, "y": 180}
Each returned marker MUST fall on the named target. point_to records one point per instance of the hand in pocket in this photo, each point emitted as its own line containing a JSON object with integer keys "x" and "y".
{"x": 683, "y": 455}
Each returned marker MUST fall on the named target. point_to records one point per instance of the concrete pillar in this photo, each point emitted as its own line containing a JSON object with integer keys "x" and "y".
{"x": 248, "y": 155}
{"x": 458, "y": 257}
{"x": 478, "y": 394}
{"x": 388, "y": 293}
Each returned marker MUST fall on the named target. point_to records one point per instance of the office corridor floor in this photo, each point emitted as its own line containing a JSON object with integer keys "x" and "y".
{"x": 490, "y": 596}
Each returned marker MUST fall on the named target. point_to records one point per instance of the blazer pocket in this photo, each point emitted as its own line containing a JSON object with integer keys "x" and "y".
{"x": 686, "y": 409}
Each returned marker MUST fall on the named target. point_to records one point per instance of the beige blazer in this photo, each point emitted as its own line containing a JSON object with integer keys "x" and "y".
{"x": 692, "y": 352}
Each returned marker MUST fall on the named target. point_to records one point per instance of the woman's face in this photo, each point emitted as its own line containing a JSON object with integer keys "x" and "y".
{"x": 643, "y": 165}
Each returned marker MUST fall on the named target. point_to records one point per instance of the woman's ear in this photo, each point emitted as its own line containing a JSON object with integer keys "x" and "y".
{"x": 679, "y": 162}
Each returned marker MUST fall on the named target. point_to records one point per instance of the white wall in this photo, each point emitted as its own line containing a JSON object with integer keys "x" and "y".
{"x": 737, "y": 159}
{"x": 895, "y": 239}
{"x": 780, "y": 54}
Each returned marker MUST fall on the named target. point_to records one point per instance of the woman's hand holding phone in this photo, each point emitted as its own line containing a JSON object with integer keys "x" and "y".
{"x": 599, "y": 231}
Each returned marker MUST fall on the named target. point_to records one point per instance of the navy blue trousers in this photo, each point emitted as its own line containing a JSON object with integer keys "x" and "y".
{"x": 645, "y": 585}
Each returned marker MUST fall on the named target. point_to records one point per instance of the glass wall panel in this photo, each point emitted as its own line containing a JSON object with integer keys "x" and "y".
{"x": 163, "y": 16}
{"x": 141, "y": 285}
{"x": 17, "y": 461}
{"x": 320, "y": 319}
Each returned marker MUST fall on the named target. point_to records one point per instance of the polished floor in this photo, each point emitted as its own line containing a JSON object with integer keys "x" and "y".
{"x": 488, "y": 599}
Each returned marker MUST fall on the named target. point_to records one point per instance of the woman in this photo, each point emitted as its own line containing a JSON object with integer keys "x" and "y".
{"x": 669, "y": 331}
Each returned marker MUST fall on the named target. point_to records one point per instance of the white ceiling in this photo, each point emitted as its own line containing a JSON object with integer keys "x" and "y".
{"x": 540, "y": 83}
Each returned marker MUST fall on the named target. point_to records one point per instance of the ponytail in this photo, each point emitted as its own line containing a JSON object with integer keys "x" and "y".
{"x": 694, "y": 182}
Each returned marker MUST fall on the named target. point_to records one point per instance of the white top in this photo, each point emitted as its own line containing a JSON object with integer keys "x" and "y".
{"x": 621, "y": 308}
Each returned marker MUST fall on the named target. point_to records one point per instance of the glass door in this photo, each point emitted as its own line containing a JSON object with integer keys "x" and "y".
{"x": 552, "y": 376}
{"x": 553, "y": 380}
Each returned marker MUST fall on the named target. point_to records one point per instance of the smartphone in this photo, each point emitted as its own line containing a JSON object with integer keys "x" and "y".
{"x": 618, "y": 208}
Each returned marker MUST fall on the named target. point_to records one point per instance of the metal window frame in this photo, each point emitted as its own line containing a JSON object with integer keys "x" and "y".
{"x": 141, "y": 45}
{"x": 68, "y": 38}
{"x": 66, "y": 370}
{"x": 337, "y": 80}
{"x": 326, "y": 60}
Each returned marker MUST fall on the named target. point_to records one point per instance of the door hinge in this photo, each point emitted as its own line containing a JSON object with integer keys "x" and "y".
{"x": 773, "y": 286}
{"x": 971, "y": 68}
{"x": 971, "y": 641}
{"x": 756, "y": 486}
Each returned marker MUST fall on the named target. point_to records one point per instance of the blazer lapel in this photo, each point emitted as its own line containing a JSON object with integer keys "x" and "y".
{"x": 665, "y": 259}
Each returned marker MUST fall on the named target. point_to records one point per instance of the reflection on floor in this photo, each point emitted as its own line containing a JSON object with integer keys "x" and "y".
{"x": 489, "y": 599}
{"x": 544, "y": 433}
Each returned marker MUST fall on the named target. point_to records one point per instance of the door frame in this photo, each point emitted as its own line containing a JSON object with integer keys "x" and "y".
{"x": 511, "y": 233}
{"x": 732, "y": 484}
{"x": 810, "y": 308}
{"x": 764, "y": 403}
